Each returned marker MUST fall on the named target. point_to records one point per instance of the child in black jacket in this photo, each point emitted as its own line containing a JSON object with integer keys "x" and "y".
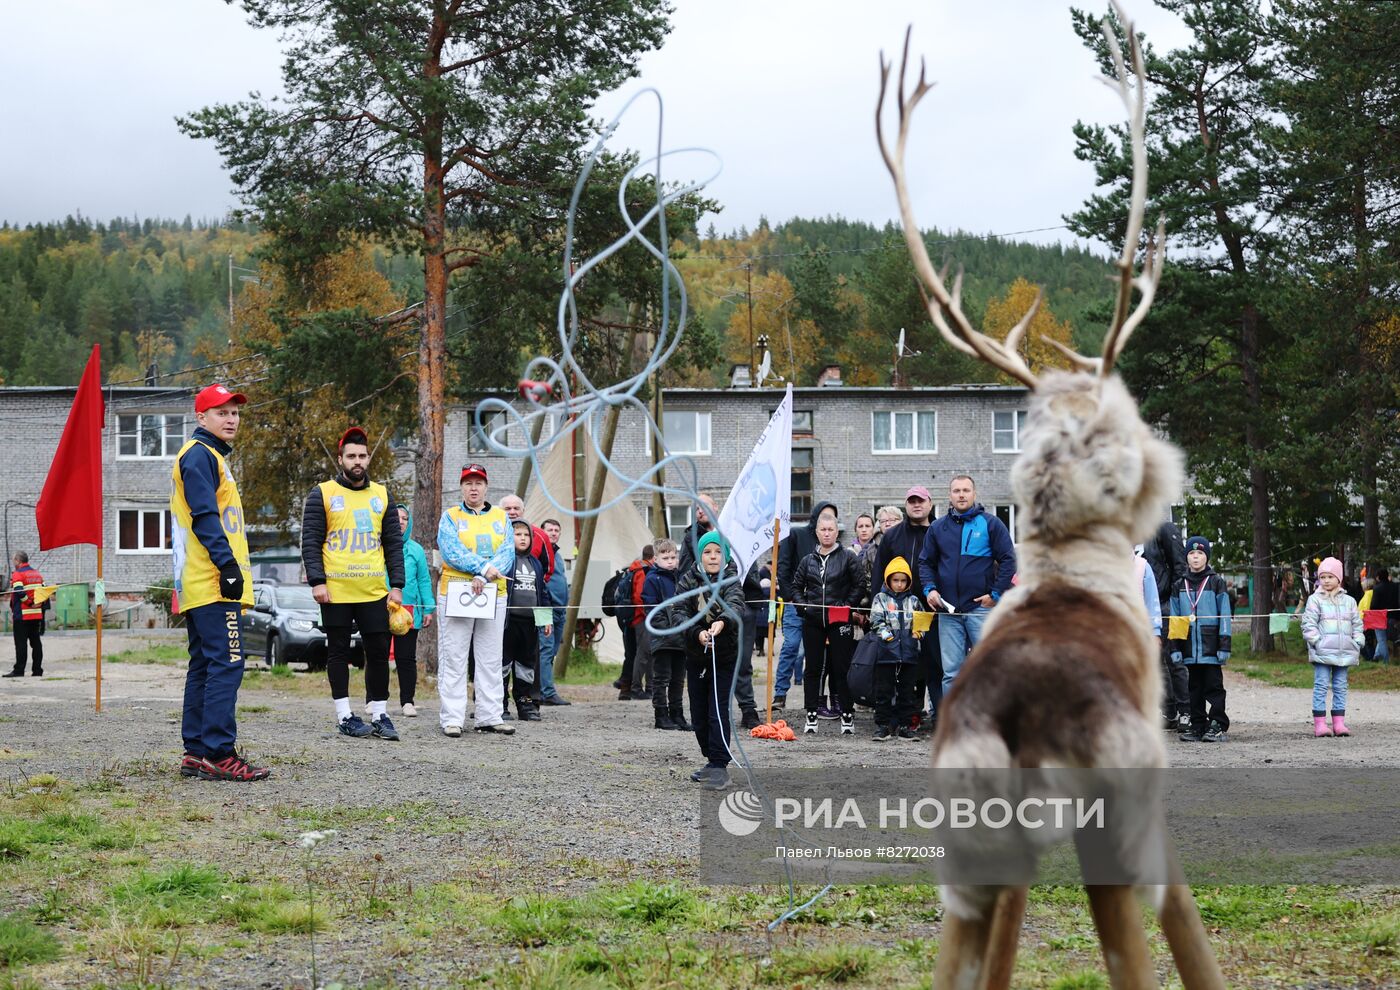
{"x": 667, "y": 650}
{"x": 711, "y": 652}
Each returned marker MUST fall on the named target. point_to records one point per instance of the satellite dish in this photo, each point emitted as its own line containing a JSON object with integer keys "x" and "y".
{"x": 899, "y": 351}
{"x": 765, "y": 366}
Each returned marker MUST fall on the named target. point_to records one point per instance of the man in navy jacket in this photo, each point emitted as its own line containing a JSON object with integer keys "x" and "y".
{"x": 967, "y": 563}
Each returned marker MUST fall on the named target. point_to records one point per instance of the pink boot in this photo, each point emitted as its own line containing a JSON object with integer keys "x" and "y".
{"x": 1320, "y": 727}
{"x": 1339, "y": 725}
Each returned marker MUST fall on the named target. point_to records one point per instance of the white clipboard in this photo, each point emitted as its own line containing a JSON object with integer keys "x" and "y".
{"x": 462, "y": 603}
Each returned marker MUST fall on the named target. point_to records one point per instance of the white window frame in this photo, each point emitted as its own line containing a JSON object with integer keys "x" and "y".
{"x": 1018, "y": 423}
{"x": 890, "y": 415}
{"x": 1010, "y": 521}
{"x": 186, "y": 426}
{"x": 671, "y": 448}
{"x": 477, "y": 444}
{"x": 141, "y": 512}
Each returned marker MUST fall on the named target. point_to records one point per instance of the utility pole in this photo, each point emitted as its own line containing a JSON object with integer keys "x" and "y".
{"x": 748, "y": 272}
{"x": 230, "y": 293}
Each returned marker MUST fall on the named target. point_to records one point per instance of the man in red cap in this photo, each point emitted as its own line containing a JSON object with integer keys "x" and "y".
{"x": 351, "y": 548}
{"x": 906, "y": 539}
{"x": 213, "y": 585}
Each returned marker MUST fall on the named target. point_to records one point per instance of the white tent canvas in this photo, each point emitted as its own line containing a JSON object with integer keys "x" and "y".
{"x": 620, "y": 535}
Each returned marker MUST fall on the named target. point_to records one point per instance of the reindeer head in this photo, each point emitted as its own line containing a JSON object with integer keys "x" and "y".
{"x": 1087, "y": 459}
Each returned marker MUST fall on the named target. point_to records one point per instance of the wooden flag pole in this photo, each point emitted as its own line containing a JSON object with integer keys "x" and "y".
{"x": 99, "y": 631}
{"x": 772, "y": 613}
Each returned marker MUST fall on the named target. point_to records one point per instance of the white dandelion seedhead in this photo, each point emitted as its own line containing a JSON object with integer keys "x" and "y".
{"x": 310, "y": 840}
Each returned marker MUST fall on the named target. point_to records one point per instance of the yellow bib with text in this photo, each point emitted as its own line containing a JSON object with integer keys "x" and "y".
{"x": 483, "y": 533}
{"x": 196, "y": 577}
{"x": 352, "y": 554}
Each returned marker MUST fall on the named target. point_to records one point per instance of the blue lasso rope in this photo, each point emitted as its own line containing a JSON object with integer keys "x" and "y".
{"x": 585, "y": 406}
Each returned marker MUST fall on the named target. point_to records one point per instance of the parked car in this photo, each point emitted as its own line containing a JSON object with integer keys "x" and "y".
{"x": 284, "y": 625}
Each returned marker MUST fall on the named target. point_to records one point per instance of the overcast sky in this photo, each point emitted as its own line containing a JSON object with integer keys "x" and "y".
{"x": 782, "y": 90}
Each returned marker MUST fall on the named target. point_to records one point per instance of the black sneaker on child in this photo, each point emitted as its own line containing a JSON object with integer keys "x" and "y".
{"x": 384, "y": 729}
{"x": 530, "y": 715}
{"x": 1216, "y": 733}
{"x": 907, "y": 733}
{"x": 848, "y": 724}
{"x": 1191, "y": 735}
{"x": 883, "y": 734}
{"x": 354, "y": 726}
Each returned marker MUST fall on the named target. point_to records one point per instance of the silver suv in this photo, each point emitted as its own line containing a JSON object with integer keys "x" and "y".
{"x": 284, "y": 625}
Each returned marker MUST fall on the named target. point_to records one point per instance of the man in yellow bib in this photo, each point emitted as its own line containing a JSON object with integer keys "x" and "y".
{"x": 350, "y": 544}
{"x": 213, "y": 584}
{"x": 477, "y": 547}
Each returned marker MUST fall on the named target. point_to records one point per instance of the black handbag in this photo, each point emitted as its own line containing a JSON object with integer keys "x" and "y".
{"x": 861, "y": 676}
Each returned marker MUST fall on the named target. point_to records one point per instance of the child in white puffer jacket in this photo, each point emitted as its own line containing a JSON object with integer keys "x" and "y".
{"x": 1332, "y": 630}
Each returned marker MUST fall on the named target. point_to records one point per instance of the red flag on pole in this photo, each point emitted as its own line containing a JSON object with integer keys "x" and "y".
{"x": 70, "y": 507}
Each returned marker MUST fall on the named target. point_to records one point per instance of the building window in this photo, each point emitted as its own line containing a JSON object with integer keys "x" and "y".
{"x": 1007, "y": 515}
{"x": 686, "y": 432}
{"x": 803, "y": 422}
{"x": 801, "y": 482}
{"x": 904, "y": 432}
{"x": 143, "y": 531}
{"x": 151, "y": 435}
{"x": 1007, "y": 427}
{"x": 476, "y": 440}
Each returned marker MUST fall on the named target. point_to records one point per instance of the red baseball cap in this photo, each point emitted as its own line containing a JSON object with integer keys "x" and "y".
{"x": 918, "y": 491}
{"x": 473, "y": 469}
{"x": 216, "y": 395}
{"x": 353, "y": 435}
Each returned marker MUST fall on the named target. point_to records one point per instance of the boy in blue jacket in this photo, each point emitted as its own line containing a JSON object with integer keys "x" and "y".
{"x": 1200, "y": 638}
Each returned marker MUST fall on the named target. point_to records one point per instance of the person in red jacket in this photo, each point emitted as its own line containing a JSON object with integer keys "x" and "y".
{"x": 27, "y": 616}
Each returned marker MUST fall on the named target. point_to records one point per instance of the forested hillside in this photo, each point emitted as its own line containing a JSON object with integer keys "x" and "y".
{"x": 156, "y": 293}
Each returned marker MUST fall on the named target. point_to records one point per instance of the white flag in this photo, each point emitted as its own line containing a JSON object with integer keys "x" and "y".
{"x": 763, "y": 494}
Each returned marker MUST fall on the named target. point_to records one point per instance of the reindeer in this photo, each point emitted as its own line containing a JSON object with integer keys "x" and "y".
{"x": 1091, "y": 481}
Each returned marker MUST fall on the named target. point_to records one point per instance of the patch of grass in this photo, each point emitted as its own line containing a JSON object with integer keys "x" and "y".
{"x": 831, "y": 963}
{"x": 253, "y": 709}
{"x": 22, "y": 942}
{"x": 585, "y": 668}
{"x": 164, "y": 655}
{"x": 651, "y": 904}
{"x": 1292, "y": 672}
{"x": 283, "y": 673}
{"x": 274, "y": 909}
{"x": 530, "y": 922}
{"x": 1082, "y": 980}
{"x": 1381, "y": 937}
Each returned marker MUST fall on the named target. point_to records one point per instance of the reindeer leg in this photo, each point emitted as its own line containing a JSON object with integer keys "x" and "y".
{"x": 962, "y": 952}
{"x": 1006, "y": 932}
{"x": 1118, "y": 920}
{"x": 1195, "y": 959}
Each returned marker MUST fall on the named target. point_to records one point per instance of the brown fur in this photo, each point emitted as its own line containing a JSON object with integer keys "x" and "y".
{"x": 1063, "y": 660}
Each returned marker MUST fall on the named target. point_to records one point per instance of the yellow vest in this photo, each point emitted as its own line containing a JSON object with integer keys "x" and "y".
{"x": 483, "y": 533}
{"x": 196, "y": 577}
{"x": 352, "y": 553}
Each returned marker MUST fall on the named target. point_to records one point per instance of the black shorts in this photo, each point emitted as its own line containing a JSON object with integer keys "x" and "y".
{"x": 368, "y": 617}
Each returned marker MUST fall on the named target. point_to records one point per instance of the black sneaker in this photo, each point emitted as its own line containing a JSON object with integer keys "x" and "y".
{"x": 530, "y": 715}
{"x": 507, "y": 716}
{"x": 883, "y": 734}
{"x": 1191, "y": 735}
{"x": 1170, "y": 723}
{"x": 811, "y": 726}
{"x": 384, "y": 729}
{"x": 848, "y": 724}
{"x": 1216, "y": 733}
{"x": 907, "y": 733}
{"x": 779, "y": 702}
{"x": 13, "y": 673}
{"x": 750, "y": 719}
{"x": 716, "y": 779}
{"x": 354, "y": 726}
{"x": 702, "y": 774}
{"x": 557, "y": 700}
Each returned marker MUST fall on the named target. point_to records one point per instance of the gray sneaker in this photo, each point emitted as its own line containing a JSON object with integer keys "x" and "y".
{"x": 716, "y": 780}
{"x": 500, "y": 728}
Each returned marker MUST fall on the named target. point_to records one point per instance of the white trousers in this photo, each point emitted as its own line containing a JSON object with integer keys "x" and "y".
{"x": 482, "y": 637}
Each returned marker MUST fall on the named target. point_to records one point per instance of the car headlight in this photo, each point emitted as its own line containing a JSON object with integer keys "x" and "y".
{"x": 300, "y": 625}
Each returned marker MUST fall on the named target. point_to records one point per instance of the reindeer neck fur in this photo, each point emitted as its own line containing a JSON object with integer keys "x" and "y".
{"x": 1092, "y": 480}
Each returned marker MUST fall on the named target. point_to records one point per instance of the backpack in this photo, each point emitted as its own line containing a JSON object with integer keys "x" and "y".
{"x": 860, "y": 676}
{"x": 627, "y": 594}
{"x": 610, "y": 592}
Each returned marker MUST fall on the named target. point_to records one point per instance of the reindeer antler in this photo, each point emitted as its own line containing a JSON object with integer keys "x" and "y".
{"x": 945, "y": 308}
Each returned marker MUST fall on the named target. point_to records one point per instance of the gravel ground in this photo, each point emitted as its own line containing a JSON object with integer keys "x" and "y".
{"x": 592, "y": 784}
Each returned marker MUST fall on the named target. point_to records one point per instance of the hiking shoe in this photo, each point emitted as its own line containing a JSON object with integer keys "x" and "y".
{"x": 702, "y": 774}
{"x": 751, "y": 719}
{"x": 811, "y": 727}
{"x": 1183, "y": 723}
{"x": 642, "y": 695}
{"x": 907, "y": 733}
{"x": 409, "y": 711}
{"x": 500, "y": 728}
{"x": 827, "y": 713}
{"x": 453, "y": 731}
{"x": 848, "y": 724}
{"x": 507, "y": 716}
{"x": 354, "y": 726}
{"x": 1191, "y": 735}
{"x": 384, "y": 729}
{"x": 883, "y": 734}
{"x": 779, "y": 700}
{"x": 191, "y": 765}
{"x": 1216, "y": 733}
{"x": 663, "y": 721}
{"x": 233, "y": 768}
{"x": 618, "y": 683}
{"x": 530, "y": 715}
{"x": 678, "y": 717}
{"x": 555, "y": 699}
{"x": 716, "y": 779}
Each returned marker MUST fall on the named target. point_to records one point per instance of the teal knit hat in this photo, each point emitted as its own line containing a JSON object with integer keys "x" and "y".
{"x": 706, "y": 540}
